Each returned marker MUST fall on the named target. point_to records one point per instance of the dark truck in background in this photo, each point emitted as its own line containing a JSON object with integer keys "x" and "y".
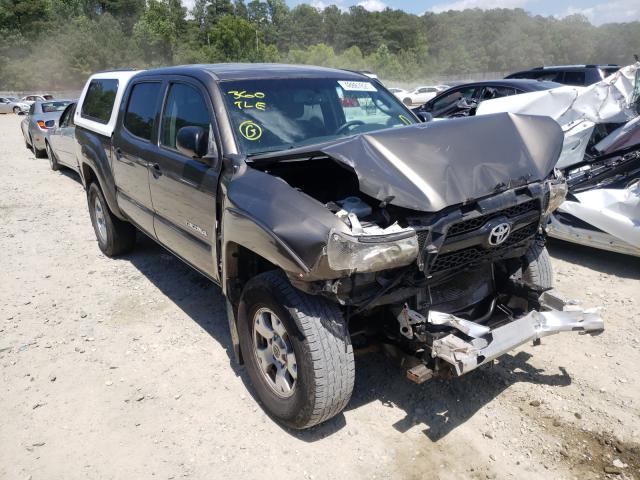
{"x": 330, "y": 217}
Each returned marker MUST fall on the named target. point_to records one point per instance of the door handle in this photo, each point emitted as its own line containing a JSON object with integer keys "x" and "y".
{"x": 155, "y": 169}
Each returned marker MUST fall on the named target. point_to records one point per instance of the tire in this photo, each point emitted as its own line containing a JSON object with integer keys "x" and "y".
{"x": 537, "y": 270}
{"x": 114, "y": 236}
{"x": 53, "y": 161}
{"x": 16, "y": 110}
{"x": 407, "y": 101}
{"x": 315, "y": 332}
{"x": 36, "y": 151}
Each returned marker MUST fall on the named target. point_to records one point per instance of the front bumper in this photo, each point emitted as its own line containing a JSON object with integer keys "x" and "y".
{"x": 465, "y": 355}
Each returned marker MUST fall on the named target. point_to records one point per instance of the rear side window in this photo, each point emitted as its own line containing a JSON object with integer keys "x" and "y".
{"x": 141, "y": 110}
{"x": 574, "y": 78}
{"x": 98, "y": 102}
{"x": 549, "y": 76}
{"x": 185, "y": 107}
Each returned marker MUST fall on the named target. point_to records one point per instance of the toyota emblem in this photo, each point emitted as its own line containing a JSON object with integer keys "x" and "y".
{"x": 499, "y": 234}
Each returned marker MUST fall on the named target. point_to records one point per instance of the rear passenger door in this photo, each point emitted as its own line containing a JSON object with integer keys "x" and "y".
{"x": 134, "y": 148}
{"x": 183, "y": 189}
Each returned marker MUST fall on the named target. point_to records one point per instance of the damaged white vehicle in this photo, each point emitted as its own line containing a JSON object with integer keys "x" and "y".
{"x": 600, "y": 158}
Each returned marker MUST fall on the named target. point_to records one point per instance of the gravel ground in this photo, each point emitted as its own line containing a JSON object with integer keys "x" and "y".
{"x": 123, "y": 369}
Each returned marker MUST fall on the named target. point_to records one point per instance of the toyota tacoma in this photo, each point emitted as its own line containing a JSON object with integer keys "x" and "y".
{"x": 331, "y": 217}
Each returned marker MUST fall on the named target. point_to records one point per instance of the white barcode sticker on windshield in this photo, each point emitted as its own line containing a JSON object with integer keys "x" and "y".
{"x": 351, "y": 86}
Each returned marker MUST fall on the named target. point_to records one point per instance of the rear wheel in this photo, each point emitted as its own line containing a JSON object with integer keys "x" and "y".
{"x": 407, "y": 101}
{"x": 53, "y": 161}
{"x": 36, "y": 151}
{"x": 114, "y": 236}
{"x": 297, "y": 351}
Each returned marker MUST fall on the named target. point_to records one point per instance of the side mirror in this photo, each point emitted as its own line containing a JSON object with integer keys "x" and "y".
{"x": 192, "y": 141}
{"x": 50, "y": 123}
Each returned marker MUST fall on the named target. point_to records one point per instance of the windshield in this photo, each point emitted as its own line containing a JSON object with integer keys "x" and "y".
{"x": 54, "y": 106}
{"x": 276, "y": 114}
{"x": 12, "y": 99}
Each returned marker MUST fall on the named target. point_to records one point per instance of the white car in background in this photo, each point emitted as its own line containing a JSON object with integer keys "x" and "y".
{"x": 13, "y": 105}
{"x": 31, "y": 99}
{"x": 398, "y": 92}
{"x": 419, "y": 96}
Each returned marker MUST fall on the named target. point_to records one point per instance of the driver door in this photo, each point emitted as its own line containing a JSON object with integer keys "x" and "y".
{"x": 183, "y": 189}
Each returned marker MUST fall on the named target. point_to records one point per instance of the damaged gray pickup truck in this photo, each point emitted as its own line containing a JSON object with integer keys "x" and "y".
{"x": 331, "y": 218}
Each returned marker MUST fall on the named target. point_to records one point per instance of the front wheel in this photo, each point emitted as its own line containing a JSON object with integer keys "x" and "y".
{"x": 297, "y": 351}
{"x": 537, "y": 270}
{"x": 114, "y": 236}
{"x": 16, "y": 110}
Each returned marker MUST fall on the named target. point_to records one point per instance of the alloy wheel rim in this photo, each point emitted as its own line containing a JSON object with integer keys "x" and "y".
{"x": 274, "y": 353}
{"x": 100, "y": 219}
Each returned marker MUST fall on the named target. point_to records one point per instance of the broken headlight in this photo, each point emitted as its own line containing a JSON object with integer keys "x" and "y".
{"x": 371, "y": 253}
{"x": 558, "y": 190}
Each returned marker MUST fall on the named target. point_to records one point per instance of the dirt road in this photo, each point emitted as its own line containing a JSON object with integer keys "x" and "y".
{"x": 123, "y": 369}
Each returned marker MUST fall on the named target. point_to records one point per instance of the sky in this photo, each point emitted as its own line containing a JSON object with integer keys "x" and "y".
{"x": 597, "y": 11}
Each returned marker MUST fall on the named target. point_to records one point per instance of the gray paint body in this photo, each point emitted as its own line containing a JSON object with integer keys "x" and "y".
{"x": 423, "y": 167}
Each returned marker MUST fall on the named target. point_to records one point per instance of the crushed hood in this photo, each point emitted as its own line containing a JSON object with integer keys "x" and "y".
{"x": 430, "y": 166}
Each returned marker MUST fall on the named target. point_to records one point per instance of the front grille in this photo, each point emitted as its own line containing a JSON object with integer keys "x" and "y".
{"x": 470, "y": 255}
{"x": 466, "y": 226}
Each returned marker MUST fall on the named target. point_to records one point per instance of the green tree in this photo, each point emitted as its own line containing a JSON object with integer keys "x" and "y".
{"x": 159, "y": 29}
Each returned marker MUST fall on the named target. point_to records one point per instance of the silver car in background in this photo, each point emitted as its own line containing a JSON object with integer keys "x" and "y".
{"x": 42, "y": 116}
{"x": 13, "y": 105}
{"x": 60, "y": 141}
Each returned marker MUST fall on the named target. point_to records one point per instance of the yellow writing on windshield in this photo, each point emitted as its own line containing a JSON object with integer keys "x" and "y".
{"x": 250, "y": 130}
{"x": 245, "y": 100}
{"x": 404, "y": 120}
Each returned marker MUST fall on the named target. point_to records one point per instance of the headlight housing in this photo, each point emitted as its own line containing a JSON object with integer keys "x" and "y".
{"x": 558, "y": 190}
{"x": 371, "y": 253}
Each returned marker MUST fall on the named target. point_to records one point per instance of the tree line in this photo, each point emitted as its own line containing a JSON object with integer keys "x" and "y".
{"x": 56, "y": 44}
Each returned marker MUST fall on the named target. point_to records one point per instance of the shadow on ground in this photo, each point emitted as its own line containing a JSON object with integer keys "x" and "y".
{"x": 439, "y": 405}
{"x": 624, "y": 266}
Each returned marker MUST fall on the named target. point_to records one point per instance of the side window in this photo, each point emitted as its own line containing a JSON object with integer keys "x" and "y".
{"x": 496, "y": 92}
{"x": 32, "y": 109}
{"x": 98, "y": 102}
{"x": 184, "y": 107}
{"x": 574, "y": 78}
{"x": 549, "y": 76}
{"x": 453, "y": 98}
{"x": 66, "y": 119}
{"x": 141, "y": 109}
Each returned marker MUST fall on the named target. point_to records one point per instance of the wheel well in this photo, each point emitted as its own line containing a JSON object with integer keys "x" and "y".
{"x": 242, "y": 264}
{"x": 88, "y": 175}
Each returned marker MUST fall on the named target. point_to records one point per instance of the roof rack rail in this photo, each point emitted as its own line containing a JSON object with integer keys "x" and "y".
{"x": 126, "y": 69}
